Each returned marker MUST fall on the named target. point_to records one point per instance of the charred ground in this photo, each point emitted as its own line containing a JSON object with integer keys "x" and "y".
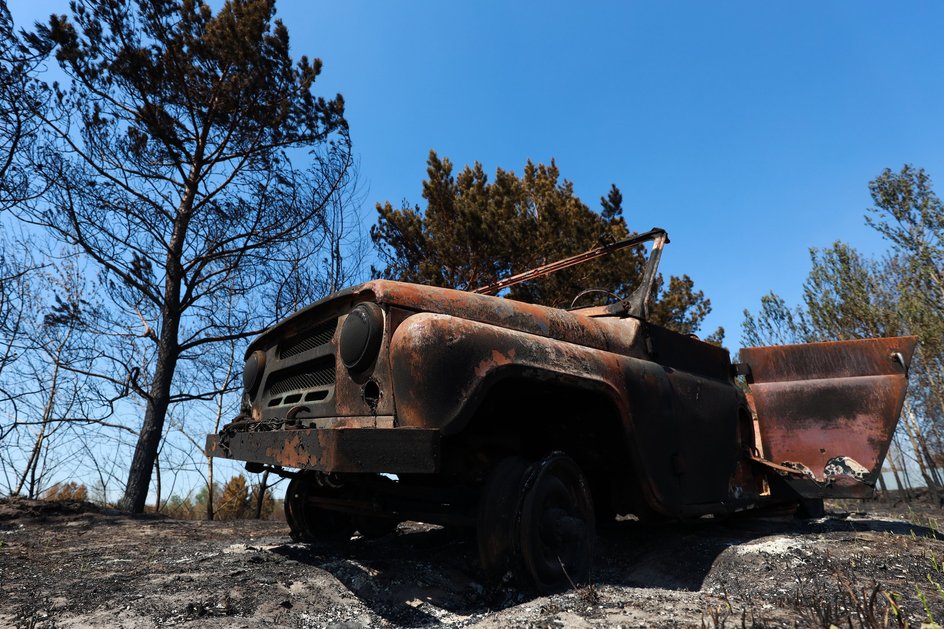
{"x": 74, "y": 565}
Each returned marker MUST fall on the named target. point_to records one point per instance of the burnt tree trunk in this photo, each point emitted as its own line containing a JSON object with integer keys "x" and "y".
{"x": 914, "y": 435}
{"x": 157, "y": 482}
{"x": 149, "y": 440}
{"x": 209, "y": 504}
{"x": 168, "y": 352}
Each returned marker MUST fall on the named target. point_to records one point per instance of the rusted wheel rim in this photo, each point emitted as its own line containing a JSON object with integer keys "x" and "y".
{"x": 556, "y": 525}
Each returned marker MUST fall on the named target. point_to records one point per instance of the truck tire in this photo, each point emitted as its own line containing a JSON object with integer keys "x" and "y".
{"x": 556, "y": 525}
{"x": 498, "y": 508}
{"x": 307, "y": 521}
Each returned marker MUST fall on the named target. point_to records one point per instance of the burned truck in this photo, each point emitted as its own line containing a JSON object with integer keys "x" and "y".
{"x": 533, "y": 425}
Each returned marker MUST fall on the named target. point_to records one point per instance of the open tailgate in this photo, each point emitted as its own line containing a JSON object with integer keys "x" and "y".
{"x": 826, "y": 412}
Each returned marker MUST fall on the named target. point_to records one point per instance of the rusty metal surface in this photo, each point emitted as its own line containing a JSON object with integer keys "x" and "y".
{"x": 657, "y": 234}
{"x": 508, "y": 313}
{"x": 505, "y": 313}
{"x": 356, "y": 450}
{"x": 447, "y": 301}
{"x": 305, "y": 377}
{"x": 344, "y": 395}
{"x": 434, "y": 388}
{"x": 827, "y": 411}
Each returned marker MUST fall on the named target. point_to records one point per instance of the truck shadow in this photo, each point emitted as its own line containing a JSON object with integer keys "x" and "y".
{"x": 425, "y": 575}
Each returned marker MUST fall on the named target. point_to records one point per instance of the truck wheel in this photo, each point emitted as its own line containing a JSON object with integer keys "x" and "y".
{"x": 309, "y": 522}
{"x": 556, "y": 527}
{"x": 497, "y": 512}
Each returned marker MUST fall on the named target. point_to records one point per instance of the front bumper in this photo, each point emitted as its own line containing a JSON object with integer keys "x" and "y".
{"x": 348, "y": 450}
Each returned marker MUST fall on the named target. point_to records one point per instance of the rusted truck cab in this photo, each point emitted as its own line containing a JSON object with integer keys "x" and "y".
{"x": 391, "y": 401}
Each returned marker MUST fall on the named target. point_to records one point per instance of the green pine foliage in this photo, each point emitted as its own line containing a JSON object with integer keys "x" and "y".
{"x": 474, "y": 231}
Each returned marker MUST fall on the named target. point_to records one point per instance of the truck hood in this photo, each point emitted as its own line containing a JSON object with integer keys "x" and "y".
{"x": 608, "y": 333}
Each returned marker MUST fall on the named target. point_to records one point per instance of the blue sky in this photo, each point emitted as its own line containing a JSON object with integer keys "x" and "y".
{"x": 748, "y": 130}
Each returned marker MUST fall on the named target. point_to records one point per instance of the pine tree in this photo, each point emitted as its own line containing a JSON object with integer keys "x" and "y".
{"x": 474, "y": 232}
{"x": 234, "y": 502}
{"x": 170, "y": 170}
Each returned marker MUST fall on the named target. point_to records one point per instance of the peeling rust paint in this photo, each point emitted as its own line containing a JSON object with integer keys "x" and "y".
{"x": 496, "y": 360}
{"x": 292, "y": 452}
{"x": 350, "y": 450}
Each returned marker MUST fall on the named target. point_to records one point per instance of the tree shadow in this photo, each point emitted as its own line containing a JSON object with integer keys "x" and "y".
{"x": 424, "y": 575}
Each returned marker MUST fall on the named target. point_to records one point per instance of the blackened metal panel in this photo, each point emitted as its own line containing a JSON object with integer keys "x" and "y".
{"x": 829, "y": 410}
{"x": 706, "y": 447}
{"x": 688, "y": 353}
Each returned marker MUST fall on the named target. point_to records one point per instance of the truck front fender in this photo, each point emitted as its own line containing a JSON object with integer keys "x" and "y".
{"x": 443, "y": 366}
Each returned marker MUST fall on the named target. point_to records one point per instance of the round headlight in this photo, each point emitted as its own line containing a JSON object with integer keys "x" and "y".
{"x": 361, "y": 335}
{"x": 252, "y": 372}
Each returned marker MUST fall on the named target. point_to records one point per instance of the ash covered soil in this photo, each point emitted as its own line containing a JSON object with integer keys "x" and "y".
{"x": 73, "y": 565}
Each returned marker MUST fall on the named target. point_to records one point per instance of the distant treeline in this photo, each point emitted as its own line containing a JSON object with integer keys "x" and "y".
{"x": 237, "y": 500}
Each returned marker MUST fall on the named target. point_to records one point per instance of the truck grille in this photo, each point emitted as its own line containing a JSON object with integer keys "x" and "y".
{"x": 318, "y": 373}
{"x": 317, "y": 336}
